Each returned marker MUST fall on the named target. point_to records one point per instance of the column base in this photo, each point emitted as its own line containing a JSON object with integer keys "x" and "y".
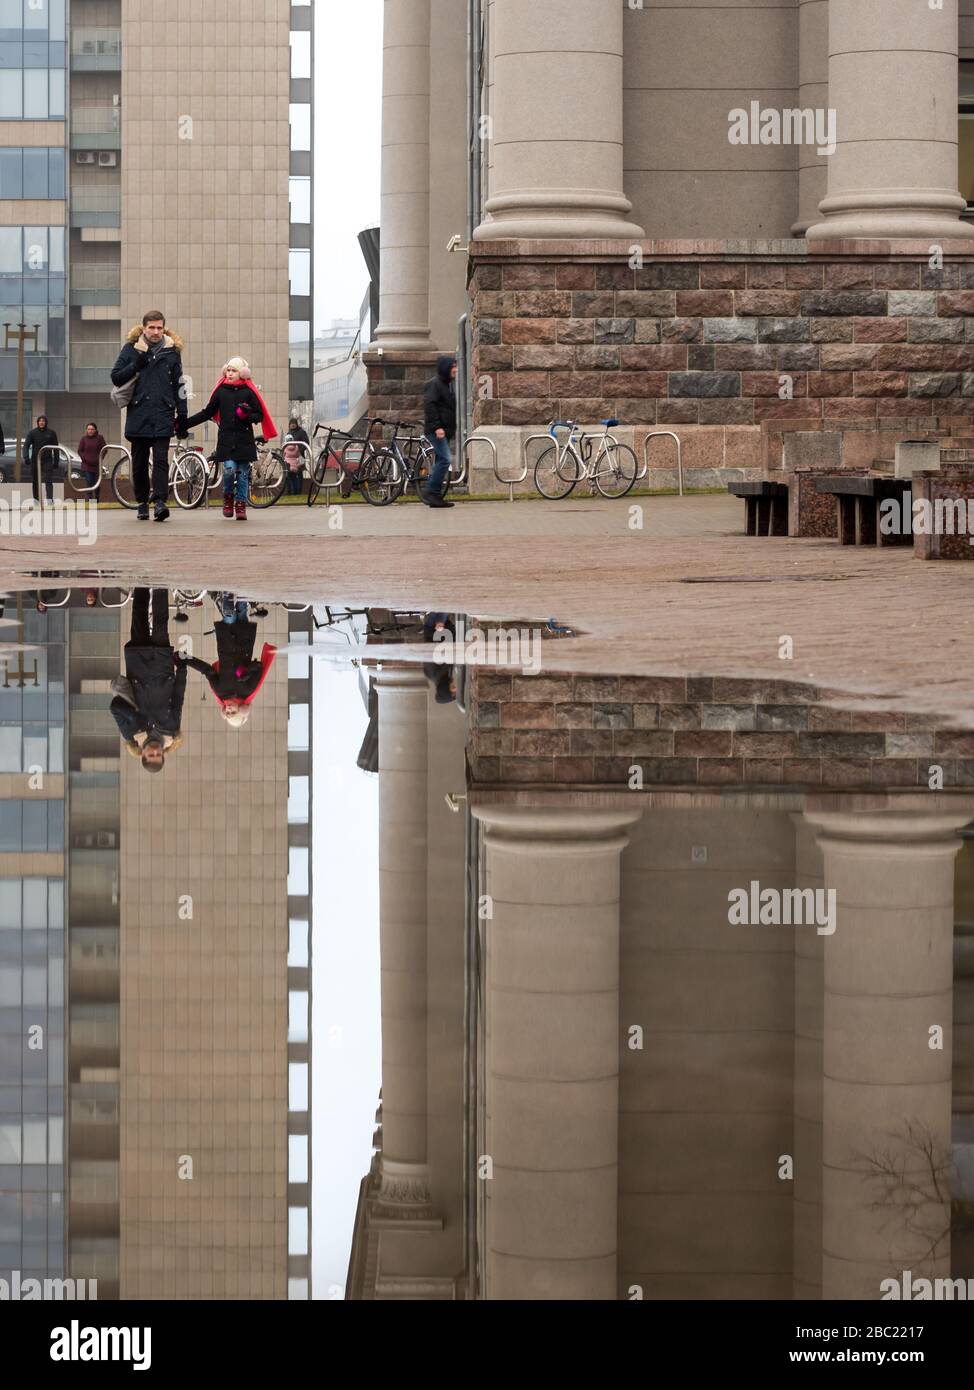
{"x": 558, "y": 213}
{"x": 890, "y": 215}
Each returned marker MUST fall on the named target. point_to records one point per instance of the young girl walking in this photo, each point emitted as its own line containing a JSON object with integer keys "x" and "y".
{"x": 237, "y": 407}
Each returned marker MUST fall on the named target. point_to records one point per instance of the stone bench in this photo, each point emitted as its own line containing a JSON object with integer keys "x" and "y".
{"x": 859, "y": 497}
{"x": 766, "y": 507}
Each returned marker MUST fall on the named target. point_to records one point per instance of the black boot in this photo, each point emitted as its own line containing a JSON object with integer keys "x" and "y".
{"x": 143, "y": 512}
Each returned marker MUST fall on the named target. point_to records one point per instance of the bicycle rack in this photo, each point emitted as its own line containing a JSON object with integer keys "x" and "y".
{"x": 63, "y": 603}
{"x": 73, "y": 462}
{"x": 39, "y": 468}
{"x": 465, "y": 455}
{"x": 105, "y": 470}
{"x": 656, "y": 434}
{"x": 126, "y": 600}
{"x": 510, "y": 483}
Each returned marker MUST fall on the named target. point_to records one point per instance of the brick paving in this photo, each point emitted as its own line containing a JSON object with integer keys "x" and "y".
{"x": 687, "y": 595}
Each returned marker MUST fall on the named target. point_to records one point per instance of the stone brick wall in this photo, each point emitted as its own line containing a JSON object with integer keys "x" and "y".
{"x": 396, "y": 380}
{"x": 590, "y": 731}
{"x": 702, "y": 333}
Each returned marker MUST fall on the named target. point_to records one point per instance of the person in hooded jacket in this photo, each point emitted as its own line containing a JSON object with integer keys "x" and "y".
{"x": 151, "y": 357}
{"x": 235, "y": 677}
{"x": 41, "y": 437}
{"x": 440, "y": 411}
{"x": 237, "y": 407}
{"x": 148, "y": 703}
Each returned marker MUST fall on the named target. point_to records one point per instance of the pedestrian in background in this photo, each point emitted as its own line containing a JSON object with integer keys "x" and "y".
{"x": 89, "y": 451}
{"x": 440, "y": 409}
{"x": 41, "y": 437}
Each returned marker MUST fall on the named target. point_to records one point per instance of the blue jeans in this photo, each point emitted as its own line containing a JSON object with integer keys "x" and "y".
{"x": 234, "y": 608}
{"x": 438, "y": 473}
{"x": 236, "y": 475}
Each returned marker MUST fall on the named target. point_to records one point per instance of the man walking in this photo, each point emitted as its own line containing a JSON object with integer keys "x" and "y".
{"x": 440, "y": 404}
{"x": 151, "y": 359}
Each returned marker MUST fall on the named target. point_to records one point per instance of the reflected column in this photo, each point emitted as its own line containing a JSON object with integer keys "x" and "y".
{"x": 552, "y": 1039}
{"x": 403, "y": 775}
{"x": 886, "y": 1086}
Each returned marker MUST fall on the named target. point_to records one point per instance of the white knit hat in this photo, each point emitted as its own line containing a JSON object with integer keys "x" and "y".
{"x": 239, "y": 364}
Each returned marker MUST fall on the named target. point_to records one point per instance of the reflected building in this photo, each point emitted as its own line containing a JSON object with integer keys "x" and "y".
{"x": 184, "y": 1168}
{"x": 656, "y": 1100}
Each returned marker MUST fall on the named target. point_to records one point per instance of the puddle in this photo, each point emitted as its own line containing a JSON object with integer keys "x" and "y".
{"x": 359, "y": 954}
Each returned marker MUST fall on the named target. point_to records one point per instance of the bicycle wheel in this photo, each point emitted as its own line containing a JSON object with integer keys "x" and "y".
{"x": 555, "y": 474}
{"x": 268, "y": 478}
{"x": 319, "y": 474}
{"x": 190, "y": 477}
{"x": 617, "y": 470}
{"x": 422, "y": 466}
{"x": 122, "y": 484}
{"x": 380, "y": 478}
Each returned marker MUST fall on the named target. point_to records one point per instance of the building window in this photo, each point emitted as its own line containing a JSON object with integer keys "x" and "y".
{"x": 31, "y": 827}
{"x": 299, "y": 197}
{"x": 35, "y": 94}
{"x": 32, "y": 20}
{"x": 300, "y": 53}
{"x": 31, "y": 172}
{"x": 299, "y": 344}
{"x": 299, "y": 272}
{"x": 300, "y": 117}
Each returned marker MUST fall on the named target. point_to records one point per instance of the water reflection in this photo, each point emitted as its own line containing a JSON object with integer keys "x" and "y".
{"x": 674, "y": 977}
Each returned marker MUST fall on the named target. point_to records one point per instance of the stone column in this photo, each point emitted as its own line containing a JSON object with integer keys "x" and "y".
{"x": 886, "y": 1092}
{"x": 552, "y": 1030}
{"x": 403, "y": 762}
{"x": 557, "y": 124}
{"x": 813, "y": 94}
{"x": 807, "y": 1093}
{"x": 405, "y": 216}
{"x": 893, "y": 84}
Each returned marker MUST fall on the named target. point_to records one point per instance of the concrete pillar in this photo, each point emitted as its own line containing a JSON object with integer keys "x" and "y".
{"x": 552, "y": 1039}
{"x": 405, "y": 216}
{"x": 807, "y": 1093}
{"x": 813, "y": 94}
{"x": 893, "y": 84}
{"x": 403, "y": 763}
{"x": 557, "y": 121}
{"x": 886, "y": 1093}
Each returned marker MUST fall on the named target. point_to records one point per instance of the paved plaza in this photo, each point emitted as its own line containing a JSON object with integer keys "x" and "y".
{"x": 686, "y": 594}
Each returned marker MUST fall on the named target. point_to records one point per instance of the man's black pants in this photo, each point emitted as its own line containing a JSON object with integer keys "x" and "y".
{"x": 159, "y": 449}
{"x": 159, "y": 636}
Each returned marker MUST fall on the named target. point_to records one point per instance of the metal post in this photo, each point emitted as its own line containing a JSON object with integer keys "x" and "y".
{"x": 20, "y": 336}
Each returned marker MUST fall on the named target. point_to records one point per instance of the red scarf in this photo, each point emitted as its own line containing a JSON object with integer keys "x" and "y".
{"x": 268, "y": 428}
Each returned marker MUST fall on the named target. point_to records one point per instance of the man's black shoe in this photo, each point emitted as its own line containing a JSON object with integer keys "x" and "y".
{"x": 143, "y": 512}
{"x": 161, "y": 512}
{"x": 432, "y": 500}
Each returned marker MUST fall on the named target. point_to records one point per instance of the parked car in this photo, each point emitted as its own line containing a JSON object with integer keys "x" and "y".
{"x": 8, "y": 468}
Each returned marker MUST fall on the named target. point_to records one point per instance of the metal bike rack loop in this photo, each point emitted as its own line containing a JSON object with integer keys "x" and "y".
{"x": 480, "y": 439}
{"x": 656, "y": 434}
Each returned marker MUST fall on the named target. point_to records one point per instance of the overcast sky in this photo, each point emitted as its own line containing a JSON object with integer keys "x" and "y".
{"x": 348, "y": 125}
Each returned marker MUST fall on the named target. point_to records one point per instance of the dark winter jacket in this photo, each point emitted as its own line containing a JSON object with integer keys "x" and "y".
{"x": 89, "y": 451}
{"x": 235, "y": 439}
{"x": 235, "y": 675}
{"x": 158, "y": 400}
{"x": 158, "y": 680}
{"x": 440, "y": 401}
{"x": 37, "y": 440}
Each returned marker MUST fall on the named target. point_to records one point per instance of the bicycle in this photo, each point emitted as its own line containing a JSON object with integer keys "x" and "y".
{"x": 613, "y": 470}
{"x": 319, "y": 467}
{"x": 188, "y": 478}
{"x": 399, "y": 464}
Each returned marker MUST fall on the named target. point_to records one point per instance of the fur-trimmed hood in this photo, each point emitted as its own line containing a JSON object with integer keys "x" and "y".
{"x": 171, "y": 338}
